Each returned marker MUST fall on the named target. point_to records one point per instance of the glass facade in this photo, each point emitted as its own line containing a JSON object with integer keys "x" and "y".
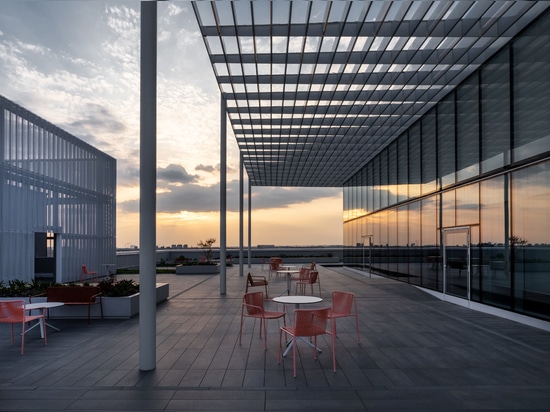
{"x": 459, "y": 202}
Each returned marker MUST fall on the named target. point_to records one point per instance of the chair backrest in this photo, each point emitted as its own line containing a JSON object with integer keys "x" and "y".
{"x": 254, "y": 303}
{"x": 304, "y": 274}
{"x": 12, "y": 311}
{"x": 84, "y": 270}
{"x": 310, "y": 322}
{"x": 313, "y": 276}
{"x": 274, "y": 265}
{"x": 342, "y": 302}
{"x": 313, "y": 266}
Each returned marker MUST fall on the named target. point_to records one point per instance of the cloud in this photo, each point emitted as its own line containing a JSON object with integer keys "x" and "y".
{"x": 207, "y": 168}
{"x": 175, "y": 174}
{"x": 197, "y": 198}
{"x": 98, "y": 118}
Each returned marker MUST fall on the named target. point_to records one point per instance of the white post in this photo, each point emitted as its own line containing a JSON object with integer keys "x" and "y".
{"x": 223, "y": 194}
{"x": 241, "y": 215}
{"x": 249, "y": 224}
{"x": 147, "y": 214}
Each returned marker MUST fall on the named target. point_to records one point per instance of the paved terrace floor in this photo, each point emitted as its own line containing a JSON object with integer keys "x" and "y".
{"x": 416, "y": 354}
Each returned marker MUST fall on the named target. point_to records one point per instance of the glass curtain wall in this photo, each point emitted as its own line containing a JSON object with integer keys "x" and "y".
{"x": 479, "y": 159}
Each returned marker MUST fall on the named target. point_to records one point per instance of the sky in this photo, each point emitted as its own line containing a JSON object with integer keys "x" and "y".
{"x": 75, "y": 63}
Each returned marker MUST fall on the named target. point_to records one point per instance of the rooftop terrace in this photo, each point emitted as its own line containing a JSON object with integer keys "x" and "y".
{"x": 417, "y": 354}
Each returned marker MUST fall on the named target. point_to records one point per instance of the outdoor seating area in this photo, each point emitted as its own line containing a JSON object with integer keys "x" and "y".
{"x": 416, "y": 353}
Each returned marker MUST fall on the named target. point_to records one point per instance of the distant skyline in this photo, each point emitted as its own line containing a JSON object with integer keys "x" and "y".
{"x": 76, "y": 64}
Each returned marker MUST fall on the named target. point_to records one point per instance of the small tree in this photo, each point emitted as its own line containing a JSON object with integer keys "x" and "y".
{"x": 207, "y": 248}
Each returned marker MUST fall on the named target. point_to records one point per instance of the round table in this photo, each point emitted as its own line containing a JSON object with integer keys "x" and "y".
{"x": 42, "y": 305}
{"x": 297, "y": 301}
{"x": 288, "y": 273}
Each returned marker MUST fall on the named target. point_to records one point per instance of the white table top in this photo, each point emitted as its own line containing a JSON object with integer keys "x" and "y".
{"x": 297, "y": 300}
{"x": 288, "y": 271}
{"x": 41, "y": 305}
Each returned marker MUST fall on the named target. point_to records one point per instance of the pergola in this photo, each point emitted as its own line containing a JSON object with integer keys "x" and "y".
{"x": 315, "y": 89}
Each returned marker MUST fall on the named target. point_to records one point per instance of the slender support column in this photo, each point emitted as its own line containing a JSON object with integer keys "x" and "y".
{"x": 148, "y": 177}
{"x": 241, "y": 216}
{"x": 249, "y": 224}
{"x": 223, "y": 194}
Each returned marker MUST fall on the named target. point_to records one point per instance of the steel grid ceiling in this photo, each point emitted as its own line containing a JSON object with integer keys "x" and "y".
{"x": 315, "y": 89}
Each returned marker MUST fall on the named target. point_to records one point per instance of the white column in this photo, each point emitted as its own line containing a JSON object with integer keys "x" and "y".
{"x": 223, "y": 194}
{"x": 147, "y": 202}
{"x": 241, "y": 215}
{"x": 249, "y": 224}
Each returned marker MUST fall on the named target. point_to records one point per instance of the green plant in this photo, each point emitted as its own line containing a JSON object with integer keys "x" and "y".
{"x": 21, "y": 288}
{"x": 110, "y": 287}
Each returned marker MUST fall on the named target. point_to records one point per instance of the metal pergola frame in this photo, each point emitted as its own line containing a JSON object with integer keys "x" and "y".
{"x": 315, "y": 89}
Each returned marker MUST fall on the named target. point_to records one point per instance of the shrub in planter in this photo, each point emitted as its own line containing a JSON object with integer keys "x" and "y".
{"x": 110, "y": 287}
{"x": 20, "y": 288}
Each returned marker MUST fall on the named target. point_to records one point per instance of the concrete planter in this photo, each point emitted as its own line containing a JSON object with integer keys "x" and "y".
{"x": 123, "y": 307}
{"x": 197, "y": 269}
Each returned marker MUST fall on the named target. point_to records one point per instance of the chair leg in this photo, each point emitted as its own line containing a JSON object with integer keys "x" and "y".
{"x": 22, "y": 337}
{"x": 294, "y": 353}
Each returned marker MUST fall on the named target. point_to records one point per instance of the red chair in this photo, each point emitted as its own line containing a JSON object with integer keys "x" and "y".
{"x": 274, "y": 267}
{"x": 311, "y": 280}
{"x": 252, "y": 281}
{"x": 253, "y": 307}
{"x": 13, "y": 311}
{"x": 344, "y": 304}
{"x": 85, "y": 274}
{"x": 307, "y": 323}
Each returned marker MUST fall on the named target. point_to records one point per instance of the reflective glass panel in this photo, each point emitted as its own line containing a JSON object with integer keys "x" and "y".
{"x": 446, "y": 141}
{"x": 467, "y": 147}
{"x": 495, "y": 112}
{"x": 467, "y": 205}
{"x": 531, "y": 73}
{"x": 414, "y": 161}
{"x": 429, "y": 152}
{"x": 529, "y": 239}
{"x": 494, "y": 289}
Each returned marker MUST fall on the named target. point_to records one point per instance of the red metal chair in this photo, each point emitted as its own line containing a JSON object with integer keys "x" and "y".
{"x": 307, "y": 323}
{"x": 85, "y": 274}
{"x": 274, "y": 267}
{"x": 312, "y": 279}
{"x": 344, "y": 304}
{"x": 253, "y": 307}
{"x": 13, "y": 311}
{"x": 252, "y": 281}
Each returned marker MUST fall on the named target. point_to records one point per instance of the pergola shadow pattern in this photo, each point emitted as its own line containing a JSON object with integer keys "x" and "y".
{"x": 417, "y": 353}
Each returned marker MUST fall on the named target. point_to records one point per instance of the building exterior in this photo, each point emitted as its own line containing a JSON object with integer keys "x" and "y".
{"x": 459, "y": 202}
{"x": 433, "y": 116}
{"x": 57, "y": 200}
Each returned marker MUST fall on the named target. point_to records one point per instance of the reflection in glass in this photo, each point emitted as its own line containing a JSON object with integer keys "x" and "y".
{"x": 495, "y": 112}
{"x": 429, "y": 172}
{"x": 467, "y": 121}
{"x": 414, "y": 161}
{"x": 467, "y": 205}
{"x": 531, "y": 98}
{"x": 529, "y": 239}
{"x": 446, "y": 141}
{"x": 491, "y": 279}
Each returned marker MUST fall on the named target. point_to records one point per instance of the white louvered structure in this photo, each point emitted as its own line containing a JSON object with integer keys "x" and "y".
{"x": 57, "y": 200}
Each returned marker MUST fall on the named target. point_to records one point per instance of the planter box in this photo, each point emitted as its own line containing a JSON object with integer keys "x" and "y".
{"x": 197, "y": 269}
{"x": 123, "y": 307}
